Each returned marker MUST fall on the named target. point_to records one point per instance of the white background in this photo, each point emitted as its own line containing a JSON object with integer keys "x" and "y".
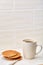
{"x": 5, "y": 4}
{"x": 20, "y": 20}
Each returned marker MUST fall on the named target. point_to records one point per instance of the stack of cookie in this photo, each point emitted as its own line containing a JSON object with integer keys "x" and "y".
{"x": 11, "y": 54}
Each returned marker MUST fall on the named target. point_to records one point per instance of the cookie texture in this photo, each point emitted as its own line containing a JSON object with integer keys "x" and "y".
{"x": 11, "y": 54}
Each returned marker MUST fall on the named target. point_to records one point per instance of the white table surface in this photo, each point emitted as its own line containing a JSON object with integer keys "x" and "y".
{"x": 38, "y": 60}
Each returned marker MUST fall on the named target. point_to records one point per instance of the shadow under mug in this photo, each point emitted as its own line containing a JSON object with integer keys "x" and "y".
{"x": 29, "y": 49}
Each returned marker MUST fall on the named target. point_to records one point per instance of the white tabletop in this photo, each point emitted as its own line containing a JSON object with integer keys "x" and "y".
{"x": 38, "y": 60}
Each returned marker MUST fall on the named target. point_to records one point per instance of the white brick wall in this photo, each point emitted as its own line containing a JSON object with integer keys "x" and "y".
{"x": 24, "y": 20}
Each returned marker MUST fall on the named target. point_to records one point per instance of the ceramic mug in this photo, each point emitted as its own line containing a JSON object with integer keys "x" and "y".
{"x": 29, "y": 48}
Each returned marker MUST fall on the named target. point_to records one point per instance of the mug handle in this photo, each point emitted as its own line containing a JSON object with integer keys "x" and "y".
{"x": 39, "y": 50}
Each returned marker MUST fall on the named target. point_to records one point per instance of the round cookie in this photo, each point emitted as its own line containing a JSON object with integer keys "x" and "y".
{"x": 9, "y": 53}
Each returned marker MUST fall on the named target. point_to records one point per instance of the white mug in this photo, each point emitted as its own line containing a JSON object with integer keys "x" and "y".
{"x": 29, "y": 49}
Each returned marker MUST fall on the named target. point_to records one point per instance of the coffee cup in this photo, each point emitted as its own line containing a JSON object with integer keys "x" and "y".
{"x": 29, "y": 48}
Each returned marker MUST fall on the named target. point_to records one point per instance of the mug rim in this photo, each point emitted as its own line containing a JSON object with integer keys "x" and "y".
{"x": 29, "y": 40}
